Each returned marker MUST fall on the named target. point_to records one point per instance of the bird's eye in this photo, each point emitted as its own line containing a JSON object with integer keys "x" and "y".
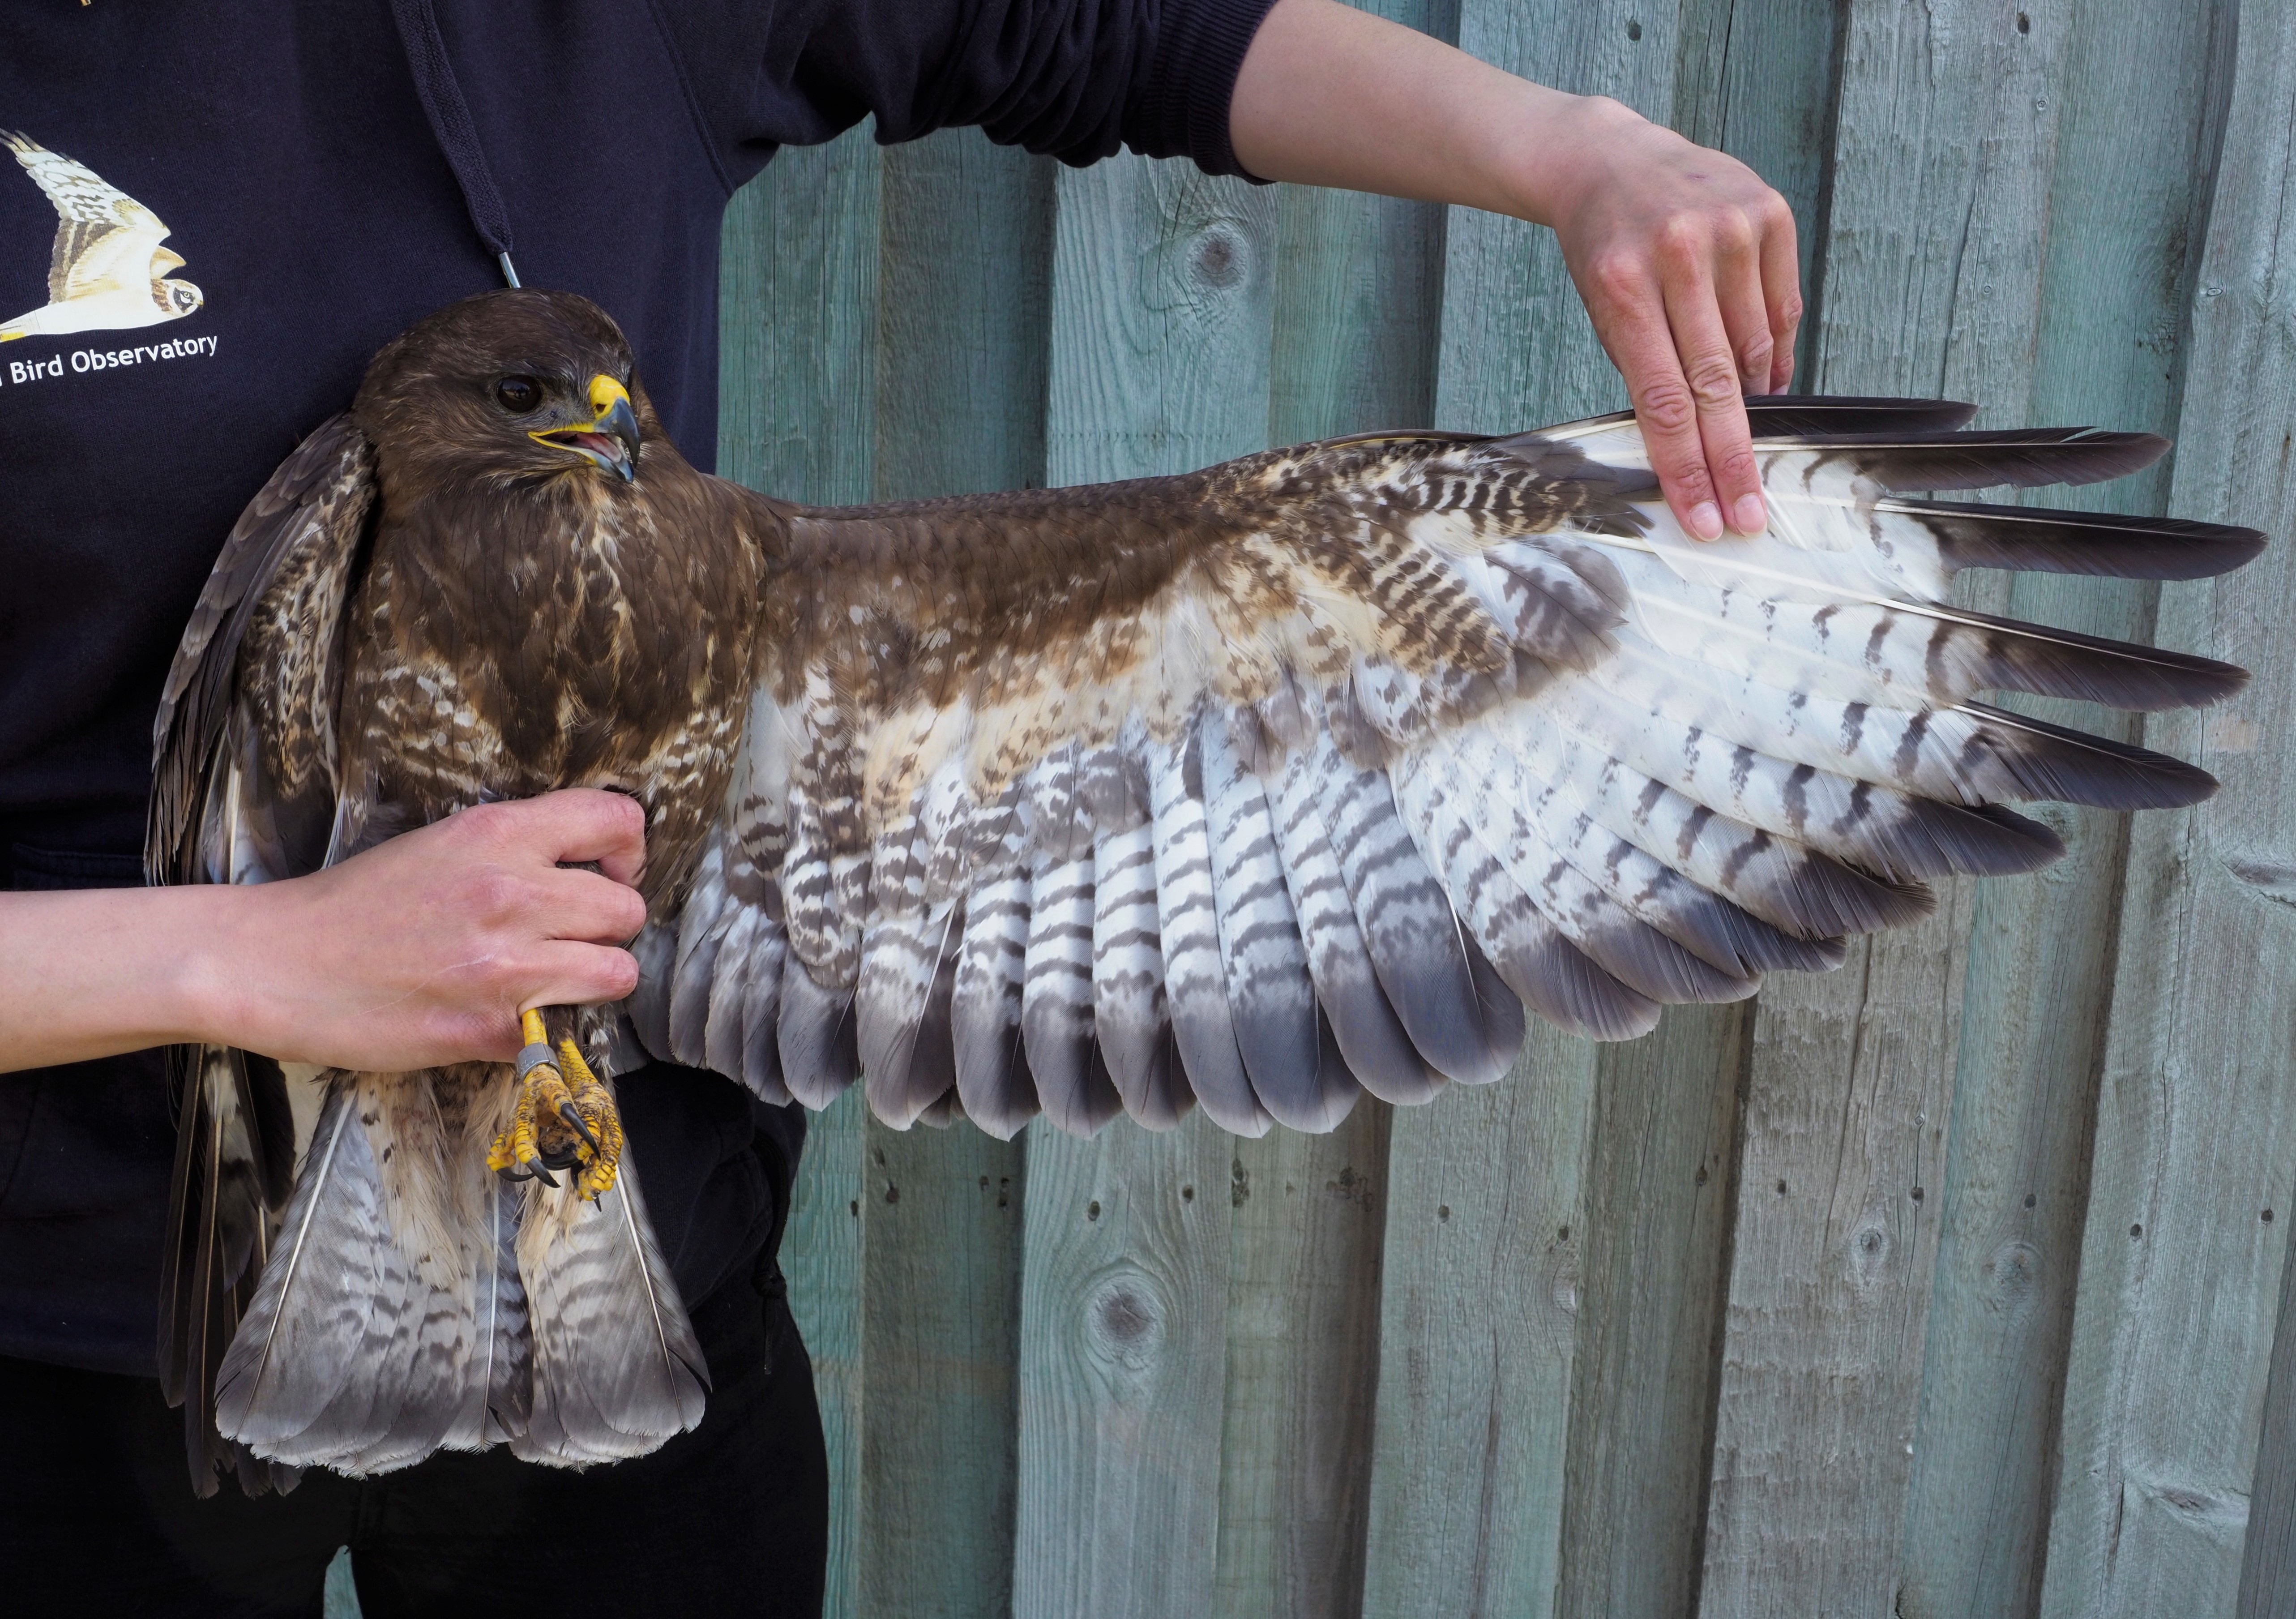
{"x": 518, "y": 394}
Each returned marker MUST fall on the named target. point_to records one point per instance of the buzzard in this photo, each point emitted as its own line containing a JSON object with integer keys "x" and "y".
{"x": 1253, "y": 790}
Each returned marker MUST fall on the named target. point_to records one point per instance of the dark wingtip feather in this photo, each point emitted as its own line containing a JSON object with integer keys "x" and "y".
{"x": 1936, "y": 839}
{"x": 2050, "y": 662}
{"x": 2033, "y": 539}
{"x": 2022, "y": 457}
{"x": 1792, "y": 415}
{"x": 2054, "y": 762}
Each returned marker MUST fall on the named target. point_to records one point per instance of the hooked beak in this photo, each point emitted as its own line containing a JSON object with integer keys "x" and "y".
{"x": 610, "y": 438}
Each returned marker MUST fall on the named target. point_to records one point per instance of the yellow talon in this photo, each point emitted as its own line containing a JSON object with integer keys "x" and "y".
{"x": 564, "y": 1117}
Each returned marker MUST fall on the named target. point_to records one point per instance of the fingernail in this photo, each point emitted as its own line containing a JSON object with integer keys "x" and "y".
{"x": 1706, "y": 520}
{"x": 1751, "y": 518}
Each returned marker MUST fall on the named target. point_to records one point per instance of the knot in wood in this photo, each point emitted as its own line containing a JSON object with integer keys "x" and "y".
{"x": 1217, "y": 262}
{"x": 1869, "y": 1252}
{"x": 2013, "y": 1275}
{"x": 1124, "y": 1319}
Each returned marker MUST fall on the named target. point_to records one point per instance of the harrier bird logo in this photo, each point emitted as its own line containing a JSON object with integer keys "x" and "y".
{"x": 108, "y": 270}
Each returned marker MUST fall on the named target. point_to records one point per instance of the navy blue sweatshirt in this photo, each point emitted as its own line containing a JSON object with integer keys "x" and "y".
{"x": 286, "y": 152}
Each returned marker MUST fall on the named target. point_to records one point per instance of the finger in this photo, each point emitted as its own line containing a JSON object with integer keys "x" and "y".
{"x": 1745, "y": 315}
{"x": 1630, "y": 317}
{"x": 1780, "y": 258}
{"x": 583, "y": 824}
{"x": 1725, "y": 440}
{"x": 572, "y": 903}
{"x": 563, "y": 973}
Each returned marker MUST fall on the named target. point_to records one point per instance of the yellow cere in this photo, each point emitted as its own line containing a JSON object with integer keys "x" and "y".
{"x": 605, "y": 393}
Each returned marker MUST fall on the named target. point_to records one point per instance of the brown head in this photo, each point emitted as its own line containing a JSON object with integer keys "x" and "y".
{"x": 509, "y": 389}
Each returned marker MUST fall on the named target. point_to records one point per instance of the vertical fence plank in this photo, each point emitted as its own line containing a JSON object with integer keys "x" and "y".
{"x": 2196, "y": 1127}
{"x": 1487, "y": 1205}
{"x": 1160, "y": 354}
{"x": 1756, "y": 79}
{"x": 1302, "y": 1367}
{"x": 965, "y": 317}
{"x": 1356, "y": 299}
{"x": 1657, "y": 1221}
{"x": 797, "y": 305}
{"x": 1479, "y": 1297}
{"x": 1946, "y": 129}
{"x": 965, "y": 309}
{"x": 2127, "y": 202}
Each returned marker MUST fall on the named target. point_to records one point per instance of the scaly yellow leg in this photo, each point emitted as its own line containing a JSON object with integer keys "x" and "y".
{"x": 564, "y": 1117}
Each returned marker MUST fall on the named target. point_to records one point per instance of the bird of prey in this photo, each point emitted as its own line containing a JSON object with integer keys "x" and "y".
{"x": 107, "y": 270}
{"x": 1254, "y": 790}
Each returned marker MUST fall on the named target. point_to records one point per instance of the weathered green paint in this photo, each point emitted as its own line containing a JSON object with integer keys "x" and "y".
{"x": 1624, "y": 1374}
{"x": 2196, "y": 1128}
{"x": 965, "y": 303}
{"x": 1159, "y": 351}
{"x": 797, "y": 312}
{"x": 2129, "y": 168}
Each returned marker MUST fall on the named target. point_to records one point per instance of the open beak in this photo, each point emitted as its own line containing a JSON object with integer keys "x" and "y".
{"x": 610, "y": 438}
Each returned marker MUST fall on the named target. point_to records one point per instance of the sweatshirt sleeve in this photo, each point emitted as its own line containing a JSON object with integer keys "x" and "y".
{"x": 1073, "y": 78}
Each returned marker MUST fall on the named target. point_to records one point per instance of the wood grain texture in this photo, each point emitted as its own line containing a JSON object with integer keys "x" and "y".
{"x": 966, "y": 313}
{"x": 965, "y": 290}
{"x": 797, "y": 316}
{"x": 941, "y": 1312}
{"x": 1946, "y": 129}
{"x": 1123, "y": 1345}
{"x": 2196, "y": 1129}
{"x": 1759, "y": 81}
{"x": 1161, "y": 311}
{"x": 1518, "y": 350}
{"x": 1356, "y": 293}
{"x": 1308, "y": 1213}
{"x": 2127, "y": 203}
{"x": 1657, "y": 1229}
{"x": 1478, "y": 1312}
{"x": 1161, "y": 331}
{"x": 1476, "y": 1340}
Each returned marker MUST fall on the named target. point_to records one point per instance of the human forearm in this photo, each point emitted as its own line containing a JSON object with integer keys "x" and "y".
{"x": 421, "y": 951}
{"x": 93, "y": 972}
{"x": 1684, "y": 257}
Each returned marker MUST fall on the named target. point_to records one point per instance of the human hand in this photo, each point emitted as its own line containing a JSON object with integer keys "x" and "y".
{"x": 425, "y": 948}
{"x": 1686, "y": 260}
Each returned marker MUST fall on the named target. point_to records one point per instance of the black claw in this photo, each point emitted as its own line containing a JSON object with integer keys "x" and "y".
{"x": 566, "y": 1110}
{"x": 544, "y": 1176}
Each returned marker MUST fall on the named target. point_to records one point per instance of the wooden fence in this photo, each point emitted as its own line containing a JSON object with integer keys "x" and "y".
{"x": 1945, "y": 1285}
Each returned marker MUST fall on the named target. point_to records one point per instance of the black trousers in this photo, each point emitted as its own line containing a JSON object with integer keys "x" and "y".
{"x": 97, "y": 1515}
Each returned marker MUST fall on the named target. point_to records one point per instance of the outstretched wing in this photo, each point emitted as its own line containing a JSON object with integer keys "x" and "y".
{"x": 244, "y": 790}
{"x": 1300, "y": 777}
{"x": 105, "y": 237}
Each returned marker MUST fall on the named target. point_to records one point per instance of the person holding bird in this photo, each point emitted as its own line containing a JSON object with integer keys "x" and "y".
{"x": 341, "y": 174}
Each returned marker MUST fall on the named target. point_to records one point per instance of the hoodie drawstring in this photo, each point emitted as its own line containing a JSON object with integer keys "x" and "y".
{"x": 450, "y": 123}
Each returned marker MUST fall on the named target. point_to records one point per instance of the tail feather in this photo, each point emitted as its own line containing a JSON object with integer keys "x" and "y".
{"x": 235, "y": 1159}
{"x": 615, "y": 1368}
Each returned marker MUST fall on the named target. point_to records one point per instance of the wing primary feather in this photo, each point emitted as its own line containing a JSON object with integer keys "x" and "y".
{"x": 2041, "y": 539}
{"x": 2054, "y": 762}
